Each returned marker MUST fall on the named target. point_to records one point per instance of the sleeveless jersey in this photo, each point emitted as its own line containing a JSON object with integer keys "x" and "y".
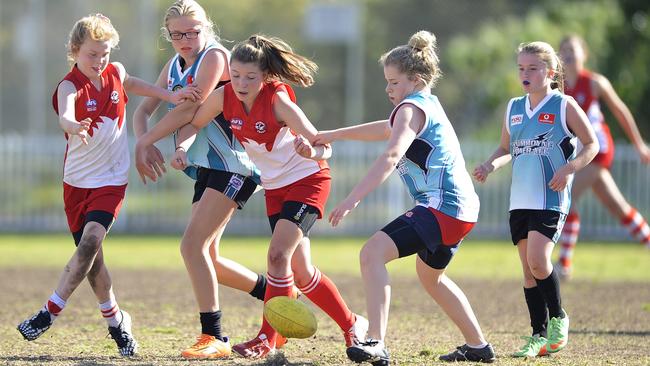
{"x": 540, "y": 143}
{"x": 268, "y": 143}
{"x": 215, "y": 147}
{"x": 433, "y": 168}
{"x": 589, "y": 103}
{"x": 105, "y": 160}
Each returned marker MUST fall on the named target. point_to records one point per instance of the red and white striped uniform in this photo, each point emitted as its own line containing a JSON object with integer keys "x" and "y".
{"x": 105, "y": 160}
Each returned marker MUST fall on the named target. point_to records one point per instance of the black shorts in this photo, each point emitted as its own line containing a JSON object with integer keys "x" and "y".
{"x": 299, "y": 213}
{"x": 234, "y": 186}
{"x": 547, "y": 222}
{"x": 103, "y": 218}
{"x": 418, "y": 231}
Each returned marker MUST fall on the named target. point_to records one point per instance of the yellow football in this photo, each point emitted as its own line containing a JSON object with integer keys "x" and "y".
{"x": 290, "y": 317}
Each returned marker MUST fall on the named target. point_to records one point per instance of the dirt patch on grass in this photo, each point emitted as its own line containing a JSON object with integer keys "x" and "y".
{"x": 610, "y": 322}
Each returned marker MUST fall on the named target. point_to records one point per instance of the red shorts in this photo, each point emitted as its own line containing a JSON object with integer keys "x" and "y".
{"x": 605, "y": 156}
{"x": 80, "y": 201}
{"x": 451, "y": 229}
{"x": 312, "y": 190}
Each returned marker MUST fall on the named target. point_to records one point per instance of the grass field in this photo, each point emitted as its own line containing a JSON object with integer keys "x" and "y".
{"x": 608, "y": 301}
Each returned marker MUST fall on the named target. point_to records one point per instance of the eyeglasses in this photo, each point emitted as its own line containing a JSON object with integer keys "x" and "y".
{"x": 177, "y": 36}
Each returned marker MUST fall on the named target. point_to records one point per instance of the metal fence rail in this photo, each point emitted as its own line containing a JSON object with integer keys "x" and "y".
{"x": 31, "y": 194}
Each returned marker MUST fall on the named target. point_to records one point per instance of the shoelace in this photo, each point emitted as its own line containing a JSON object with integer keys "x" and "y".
{"x": 202, "y": 342}
{"x": 555, "y": 328}
{"x": 529, "y": 342}
{"x": 462, "y": 350}
{"x": 370, "y": 342}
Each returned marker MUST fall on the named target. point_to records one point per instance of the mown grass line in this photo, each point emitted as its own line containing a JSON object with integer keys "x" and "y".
{"x": 475, "y": 259}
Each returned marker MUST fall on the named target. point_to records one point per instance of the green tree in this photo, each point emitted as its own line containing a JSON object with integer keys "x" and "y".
{"x": 483, "y": 64}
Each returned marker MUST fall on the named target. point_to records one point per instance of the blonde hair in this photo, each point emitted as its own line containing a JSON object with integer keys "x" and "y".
{"x": 192, "y": 9}
{"x": 275, "y": 58}
{"x": 97, "y": 27}
{"x": 547, "y": 54}
{"x": 417, "y": 59}
{"x": 579, "y": 40}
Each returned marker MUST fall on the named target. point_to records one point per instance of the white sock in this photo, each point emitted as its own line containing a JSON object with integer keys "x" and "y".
{"x": 54, "y": 305}
{"x": 482, "y": 345}
{"x": 111, "y": 312}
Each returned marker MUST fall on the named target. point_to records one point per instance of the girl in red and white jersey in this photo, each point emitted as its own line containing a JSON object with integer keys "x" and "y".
{"x": 90, "y": 102}
{"x": 265, "y": 118}
{"x": 589, "y": 88}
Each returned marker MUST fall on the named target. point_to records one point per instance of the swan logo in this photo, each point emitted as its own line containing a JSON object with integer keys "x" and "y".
{"x": 260, "y": 127}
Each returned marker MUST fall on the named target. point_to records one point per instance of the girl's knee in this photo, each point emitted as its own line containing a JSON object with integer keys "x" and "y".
{"x": 369, "y": 256}
{"x": 278, "y": 258}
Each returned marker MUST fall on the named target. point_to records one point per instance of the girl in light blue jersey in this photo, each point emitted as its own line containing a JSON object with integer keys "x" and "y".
{"x": 538, "y": 134}
{"x": 423, "y": 146}
{"x": 225, "y": 177}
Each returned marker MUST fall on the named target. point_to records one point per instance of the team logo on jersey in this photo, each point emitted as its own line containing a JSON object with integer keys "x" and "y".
{"x": 236, "y": 124}
{"x": 260, "y": 127}
{"x": 409, "y": 214}
{"x": 91, "y": 105}
{"x": 540, "y": 145}
{"x": 115, "y": 97}
{"x": 516, "y": 119}
{"x": 548, "y": 118}
{"x": 177, "y": 87}
{"x": 401, "y": 167}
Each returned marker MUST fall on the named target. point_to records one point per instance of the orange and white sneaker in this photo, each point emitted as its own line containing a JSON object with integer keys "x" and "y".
{"x": 208, "y": 347}
{"x": 357, "y": 332}
{"x": 258, "y": 347}
{"x": 280, "y": 341}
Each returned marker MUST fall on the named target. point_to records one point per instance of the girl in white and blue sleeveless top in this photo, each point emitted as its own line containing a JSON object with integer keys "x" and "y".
{"x": 214, "y": 146}
{"x": 225, "y": 177}
{"x": 538, "y": 134}
{"x": 423, "y": 148}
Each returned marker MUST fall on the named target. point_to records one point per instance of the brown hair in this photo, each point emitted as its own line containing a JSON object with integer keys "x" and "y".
{"x": 192, "y": 9}
{"x": 275, "y": 58}
{"x": 548, "y": 55}
{"x": 96, "y": 27}
{"x": 418, "y": 58}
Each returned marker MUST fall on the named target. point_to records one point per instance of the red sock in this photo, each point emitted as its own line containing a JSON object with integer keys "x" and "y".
{"x": 53, "y": 308}
{"x": 275, "y": 286}
{"x": 323, "y": 292}
{"x": 637, "y": 226}
{"x": 569, "y": 238}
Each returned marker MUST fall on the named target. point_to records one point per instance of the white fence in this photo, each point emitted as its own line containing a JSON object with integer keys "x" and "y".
{"x": 31, "y": 194}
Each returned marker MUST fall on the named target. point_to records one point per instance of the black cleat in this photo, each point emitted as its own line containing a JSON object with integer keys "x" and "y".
{"x": 122, "y": 335}
{"x": 466, "y": 353}
{"x": 371, "y": 350}
{"x": 33, "y": 327}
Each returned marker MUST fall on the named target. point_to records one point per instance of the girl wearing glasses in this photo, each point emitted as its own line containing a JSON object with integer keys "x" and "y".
{"x": 224, "y": 176}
